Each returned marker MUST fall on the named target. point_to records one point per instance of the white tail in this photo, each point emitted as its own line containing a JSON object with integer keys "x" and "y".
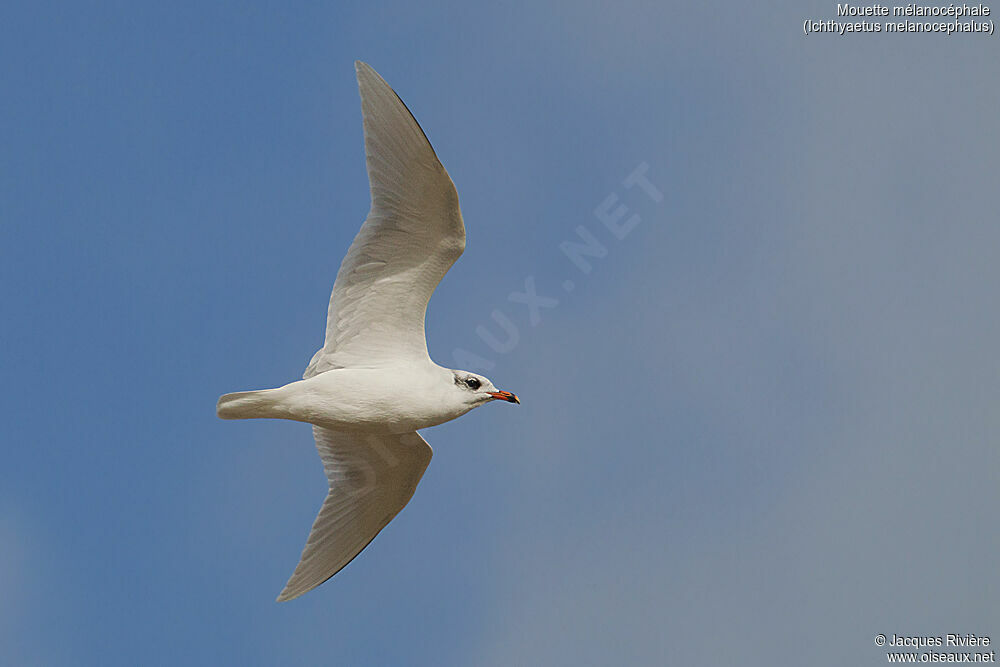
{"x": 246, "y": 405}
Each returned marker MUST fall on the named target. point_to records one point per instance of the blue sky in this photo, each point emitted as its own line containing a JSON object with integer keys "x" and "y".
{"x": 760, "y": 430}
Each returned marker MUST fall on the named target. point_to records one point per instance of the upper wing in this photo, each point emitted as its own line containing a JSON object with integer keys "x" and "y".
{"x": 372, "y": 477}
{"x": 413, "y": 234}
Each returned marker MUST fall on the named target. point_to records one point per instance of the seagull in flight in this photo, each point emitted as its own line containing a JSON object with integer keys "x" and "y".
{"x": 372, "y": 385}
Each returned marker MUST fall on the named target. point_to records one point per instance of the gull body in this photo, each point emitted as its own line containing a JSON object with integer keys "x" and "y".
{"x": 372, "y": 385}
{"x": 401, "y": 399}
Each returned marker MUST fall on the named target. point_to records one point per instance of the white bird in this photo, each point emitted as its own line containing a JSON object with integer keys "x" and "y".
{"x": 372, "y": 384}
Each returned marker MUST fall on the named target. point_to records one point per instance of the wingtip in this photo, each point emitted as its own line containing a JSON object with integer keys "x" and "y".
{"x": 365, "y": 74}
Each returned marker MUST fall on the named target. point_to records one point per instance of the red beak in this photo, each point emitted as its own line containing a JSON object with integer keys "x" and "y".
{"x": 505, "y": 396}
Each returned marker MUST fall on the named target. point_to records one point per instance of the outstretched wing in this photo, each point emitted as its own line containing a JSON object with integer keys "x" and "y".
{"x": 413, "y": 234}
{"x": 372, "y": 477}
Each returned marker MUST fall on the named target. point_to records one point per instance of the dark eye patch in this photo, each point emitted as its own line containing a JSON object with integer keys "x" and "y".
{"x": 472, "y": 383}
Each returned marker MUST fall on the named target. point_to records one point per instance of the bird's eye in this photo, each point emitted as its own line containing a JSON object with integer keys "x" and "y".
{"x": 472, "y": 383}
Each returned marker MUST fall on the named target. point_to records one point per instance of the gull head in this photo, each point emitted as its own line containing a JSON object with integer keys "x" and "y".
{"x": 475, "y": 390}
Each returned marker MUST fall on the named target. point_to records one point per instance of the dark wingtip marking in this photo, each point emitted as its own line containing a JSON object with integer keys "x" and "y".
{"x": 359, "y": 65}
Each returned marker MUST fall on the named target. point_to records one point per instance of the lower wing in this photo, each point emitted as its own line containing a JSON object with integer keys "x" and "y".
{"x": 372, "y": 477}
